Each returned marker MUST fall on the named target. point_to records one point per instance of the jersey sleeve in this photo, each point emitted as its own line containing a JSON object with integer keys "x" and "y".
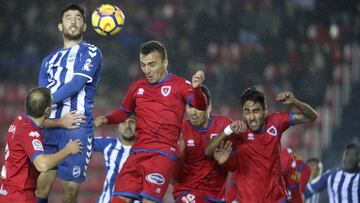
{"x": 43, "y": 82}
{"x": 283, "y": 120}
{"x": 90, "y": 60}
{"x": 128, "y": 104}
{"x": 318, "y": 185}
{"x": 101, "y": 142}
{"x": 32, "y": 142}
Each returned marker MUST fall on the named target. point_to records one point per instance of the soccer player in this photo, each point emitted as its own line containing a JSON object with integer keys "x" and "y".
{"x": 72, "y": 74}
{"x": 342, "y": 183}
{"x": 201, "y": 179}
{"x": 316, "y": 171}
{"x": 257, "y": 160}
{"x": 291, "y": 176}
{"x": 158, "y": 100}
{"x": 115, "y": 151}
{"x": 24, "y": 151}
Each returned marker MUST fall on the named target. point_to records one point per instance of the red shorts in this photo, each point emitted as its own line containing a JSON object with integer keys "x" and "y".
{"x": 194, "y": 197}
{"x": 145, "y": 175}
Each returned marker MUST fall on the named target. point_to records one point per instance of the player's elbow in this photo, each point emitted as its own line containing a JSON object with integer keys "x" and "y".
{"x": 313, "y": 117}
{"x": 40, "y": 163}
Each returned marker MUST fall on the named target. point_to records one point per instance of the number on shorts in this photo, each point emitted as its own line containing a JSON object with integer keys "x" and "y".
{"x": 189, "y": 198}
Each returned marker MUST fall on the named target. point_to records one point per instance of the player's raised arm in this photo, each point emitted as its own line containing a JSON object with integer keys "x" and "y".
{"x": 306, "y": 115}
{"x": 197, "y": 98}
{"x": 235, "y": 127}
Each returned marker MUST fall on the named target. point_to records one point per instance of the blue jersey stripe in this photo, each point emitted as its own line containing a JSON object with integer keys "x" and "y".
{"x": 342, "y": 178}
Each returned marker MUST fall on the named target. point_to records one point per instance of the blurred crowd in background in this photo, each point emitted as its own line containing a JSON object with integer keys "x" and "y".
{"x": 309, "y": 47}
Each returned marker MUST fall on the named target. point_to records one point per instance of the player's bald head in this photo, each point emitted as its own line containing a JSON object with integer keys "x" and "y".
{"x": 36, "y": 102}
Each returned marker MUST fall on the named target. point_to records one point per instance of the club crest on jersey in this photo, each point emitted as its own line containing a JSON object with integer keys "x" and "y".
{"x": 165, "y": 90}
{"x": 37, "y": 145}
{"x": 155, "y": 178}
{"x": 76, "y": 171}
{"x": 212, "y": 135}
{"x": 272, "y": 131}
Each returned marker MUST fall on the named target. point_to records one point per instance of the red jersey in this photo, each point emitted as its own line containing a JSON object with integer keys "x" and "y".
{"x": 201, "y": 173}
{"x": 159, "y": 110}
{"x": 305, "y": 171}
{"x": 258, "y": 161}
{"x": 291, "y": 175}
{"x": 19, "y": 175}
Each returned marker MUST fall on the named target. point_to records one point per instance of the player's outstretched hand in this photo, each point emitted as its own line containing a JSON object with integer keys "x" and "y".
{"x": 74, "y": 146}
{"x": 222, "y": 153}
{"x": 238, "y": 126}
{"x": 72, "y": 120}
{"x": 285, "y": 97}
{"x": 100, "y": 121}
{"x": 198, "y": 78}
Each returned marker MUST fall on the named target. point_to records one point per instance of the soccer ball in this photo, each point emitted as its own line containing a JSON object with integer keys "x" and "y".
{"x": 107, "y": 20}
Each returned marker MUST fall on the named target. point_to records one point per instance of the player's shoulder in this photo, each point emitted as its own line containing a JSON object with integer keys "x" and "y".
{"x": 221, "y": 119}
{"x": 277, "y": 116}
{"x": 89, "y": 47}
{"x": 27, "y": 126}
{"x": 179, "y": 79}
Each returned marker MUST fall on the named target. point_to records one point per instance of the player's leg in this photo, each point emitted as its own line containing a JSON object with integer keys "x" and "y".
{"x": 72, "y": 170}
{"x": 121, "y": 199}
{"x": 158, "y": 170}
{"x": 131, "y": 174}
{"x": 44, "y": 185}
{"x": 70, "y": 191}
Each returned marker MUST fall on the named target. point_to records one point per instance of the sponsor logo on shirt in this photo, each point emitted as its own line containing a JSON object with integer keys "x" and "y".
{"x": 251, "y": 136}
{"x": 191, "y": 143}
{"x": 37, "y": 145}
{"x": 87, "y": 65}
{"x": 140, "y": 91}
{"x": 76, "y": 171}
{"x": 165, "y": 90}
{"x": 272, "y": 131}
{"x": 155, "y": 178}
{"x": 34, "y": 134}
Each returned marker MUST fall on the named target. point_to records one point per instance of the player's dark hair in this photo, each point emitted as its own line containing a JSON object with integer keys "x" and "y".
{"x": 314, "y": 160}
{"x": 73, "y": 7}
{"x": 253, "y": 94}
{"x": 206, "y": 91}
{"x": 353, "y": 146}
{"x": 37, "y": 100}
{"x": 152, "y": 46}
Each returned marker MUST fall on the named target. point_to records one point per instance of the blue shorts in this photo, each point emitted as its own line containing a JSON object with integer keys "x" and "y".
{"x": 74, "y": 167}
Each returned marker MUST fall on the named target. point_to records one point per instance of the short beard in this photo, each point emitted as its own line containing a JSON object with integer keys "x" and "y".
{"x": 128, "y": 138}
{"x": 72, "y": 37}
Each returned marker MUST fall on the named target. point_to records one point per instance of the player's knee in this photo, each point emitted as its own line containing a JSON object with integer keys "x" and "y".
{"x": 120, "y": 199}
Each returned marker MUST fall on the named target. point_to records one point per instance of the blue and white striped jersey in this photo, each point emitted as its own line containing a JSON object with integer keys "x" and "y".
{"x": 315, "y": 198}
{"x": 342, "y": 187}
{"x": 115, "y": 154}
{"x": 61, "y": 66}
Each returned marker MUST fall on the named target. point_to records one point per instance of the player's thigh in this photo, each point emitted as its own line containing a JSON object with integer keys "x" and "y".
{"x": 131, "y": 174}
{"x": 70, "y": 188}
{"x": 158, "y": 170}
{"x": 74, "y": 167}
{"x": 44, "y": 183}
